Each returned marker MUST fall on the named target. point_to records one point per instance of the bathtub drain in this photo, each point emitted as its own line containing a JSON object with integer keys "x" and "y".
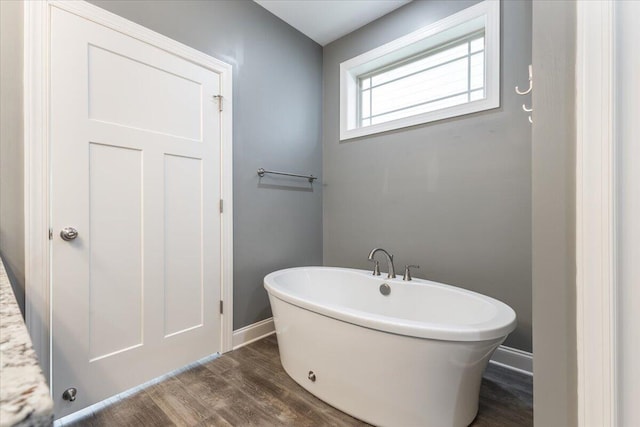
{"x": 312, "y": 376}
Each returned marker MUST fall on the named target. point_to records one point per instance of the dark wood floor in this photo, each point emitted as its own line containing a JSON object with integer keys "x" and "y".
{"x": 248, "y": 387}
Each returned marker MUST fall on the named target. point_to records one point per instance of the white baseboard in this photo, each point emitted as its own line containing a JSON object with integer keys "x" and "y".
{"x": 253, "y": 332}
{"x": 514, "y": 359}
{"x": 510, "y": 358}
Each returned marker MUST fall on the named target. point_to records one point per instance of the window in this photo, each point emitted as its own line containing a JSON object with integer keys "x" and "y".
{"x": 449, "y": 75}
{"x": 447, "y": 69}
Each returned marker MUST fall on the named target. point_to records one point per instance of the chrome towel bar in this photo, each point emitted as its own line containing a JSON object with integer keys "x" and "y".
{"x": 262, "y": 171}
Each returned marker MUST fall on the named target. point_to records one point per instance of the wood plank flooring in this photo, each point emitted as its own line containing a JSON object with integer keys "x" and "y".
{"x": 248, "y": 387}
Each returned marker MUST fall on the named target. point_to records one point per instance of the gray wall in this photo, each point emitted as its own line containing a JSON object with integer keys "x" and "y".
{"x": 453, "y": 196}
{"x": 11, "y": 146}
{"x": 554, "y": 271}
{"x": 277, "y": 124}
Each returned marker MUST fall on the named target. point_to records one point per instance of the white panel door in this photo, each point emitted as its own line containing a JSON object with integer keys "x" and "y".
{"x": 135, "y": 160}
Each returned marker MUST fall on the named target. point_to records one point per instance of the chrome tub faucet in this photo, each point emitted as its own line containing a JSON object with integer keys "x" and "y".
{"x": 390, "y": 268}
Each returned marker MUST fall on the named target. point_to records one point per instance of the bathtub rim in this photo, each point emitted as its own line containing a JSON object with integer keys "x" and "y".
{"x": 501, "y": 325}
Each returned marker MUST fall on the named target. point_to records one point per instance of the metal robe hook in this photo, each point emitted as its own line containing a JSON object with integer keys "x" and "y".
{"x": 519, "y": 92}
{"x": 528, "y": 110}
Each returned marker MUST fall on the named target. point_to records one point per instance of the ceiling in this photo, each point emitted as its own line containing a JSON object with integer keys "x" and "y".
{"x": 327, "y": 20}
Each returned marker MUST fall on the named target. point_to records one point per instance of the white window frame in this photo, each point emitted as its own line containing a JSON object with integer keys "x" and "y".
{"x": 486, "y": 13}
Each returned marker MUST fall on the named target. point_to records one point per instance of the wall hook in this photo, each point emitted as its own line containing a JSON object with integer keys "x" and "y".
{"x": 519, "y": 92}
{"x": 526, "y": 92}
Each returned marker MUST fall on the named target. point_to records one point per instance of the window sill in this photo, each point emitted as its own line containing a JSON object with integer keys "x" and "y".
{"x": 430, "y": 117}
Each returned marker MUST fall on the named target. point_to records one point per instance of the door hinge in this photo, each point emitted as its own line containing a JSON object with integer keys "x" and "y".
{"x": 221, "y": 205}
{"x": 51, "y": 234}
{"x": 220, "y": 99}
{"x": 221, "y": 307}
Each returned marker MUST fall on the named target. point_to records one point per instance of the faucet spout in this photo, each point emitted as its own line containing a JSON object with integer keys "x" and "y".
{"x": 390, "y": 268}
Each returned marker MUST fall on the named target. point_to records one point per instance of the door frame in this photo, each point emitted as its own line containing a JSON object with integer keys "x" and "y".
{"x": 596, "y": 211}
{"x": 37, "y": 168}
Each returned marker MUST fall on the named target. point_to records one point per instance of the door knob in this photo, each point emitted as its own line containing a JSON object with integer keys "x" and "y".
{"x": 68, "y": 233}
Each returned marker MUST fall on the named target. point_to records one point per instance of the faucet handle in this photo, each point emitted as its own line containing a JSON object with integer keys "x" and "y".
{"x": 376, "y": 267}
{"x": 407, "y": 272}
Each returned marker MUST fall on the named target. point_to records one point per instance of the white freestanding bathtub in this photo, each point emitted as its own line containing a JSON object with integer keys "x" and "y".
{"x": 414, "y": 357}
